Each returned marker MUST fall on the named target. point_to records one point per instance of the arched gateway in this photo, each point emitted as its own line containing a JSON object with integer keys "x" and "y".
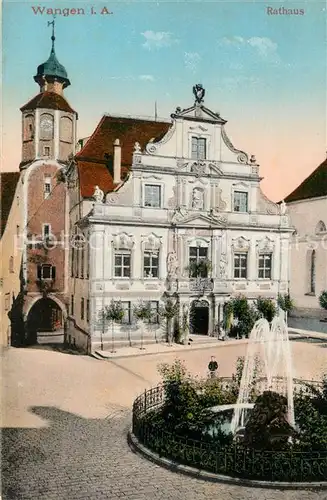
{"x": 45, "y": 322}
{"x": 199, "y": 317}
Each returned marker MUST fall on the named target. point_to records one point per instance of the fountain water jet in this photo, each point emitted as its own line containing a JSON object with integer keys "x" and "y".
{"x": 271, "y": 345}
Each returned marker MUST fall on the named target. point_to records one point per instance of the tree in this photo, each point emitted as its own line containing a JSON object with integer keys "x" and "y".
{"x": 114, "y": 313}
{"x": 285, "y": 303}
{"x": 143, "y": 313}
{"x": 169, "y": 312}
{"x": 267, "y": 308}
{"x": 323, "y": 299}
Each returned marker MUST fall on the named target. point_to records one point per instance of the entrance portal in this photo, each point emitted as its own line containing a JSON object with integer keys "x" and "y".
{"x": 199, "y": 317}
{"x": 45, "y": 322}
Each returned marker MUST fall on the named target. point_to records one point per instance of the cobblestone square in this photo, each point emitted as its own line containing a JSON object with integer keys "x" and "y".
{"x": 65, "y": 421}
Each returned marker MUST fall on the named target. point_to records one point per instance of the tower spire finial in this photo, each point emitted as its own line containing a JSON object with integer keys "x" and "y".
{"x": 53, "y": 32}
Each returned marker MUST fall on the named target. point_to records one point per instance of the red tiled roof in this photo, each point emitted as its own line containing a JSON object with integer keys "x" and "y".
{"x": 127, "y": 130}
{"x": 96, "y": 174}
{"x": 313, "y": 186}
{"x": 49, "y": 100}
{"x": 94, "y": 161}
{"x": 8, "y": 183}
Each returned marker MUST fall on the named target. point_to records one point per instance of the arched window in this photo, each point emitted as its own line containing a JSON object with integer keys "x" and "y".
{"x": 320, "y": 227}
{"x": 66, "y": 129}
{"x": 28, "y": 128}
{"x": 313, "y": 272}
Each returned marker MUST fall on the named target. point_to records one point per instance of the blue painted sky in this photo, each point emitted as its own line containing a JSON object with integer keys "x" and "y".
{"x": 264, "y": 73}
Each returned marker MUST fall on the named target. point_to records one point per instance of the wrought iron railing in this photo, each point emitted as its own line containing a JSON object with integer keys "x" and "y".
{"x": 234, "y": 460}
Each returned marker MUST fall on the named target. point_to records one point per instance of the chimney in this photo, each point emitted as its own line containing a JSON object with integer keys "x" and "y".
{"x": 117, "y": 162}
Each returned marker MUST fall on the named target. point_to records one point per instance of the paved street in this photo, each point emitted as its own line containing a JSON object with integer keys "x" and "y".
{"x": 65, "y": 420}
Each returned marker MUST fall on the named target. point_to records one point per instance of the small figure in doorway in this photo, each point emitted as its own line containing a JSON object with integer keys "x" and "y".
{"x": 213, "y": 367}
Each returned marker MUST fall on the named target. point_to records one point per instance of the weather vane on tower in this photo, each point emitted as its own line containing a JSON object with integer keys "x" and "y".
{"x": 53, "y": 30}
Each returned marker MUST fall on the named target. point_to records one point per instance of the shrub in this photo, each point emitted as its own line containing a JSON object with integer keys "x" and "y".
{"x": 323, "y": 299}
{"x": 285, "y": 302}
{"x": 267, "y": 308}
{"x": 267, "y": 427}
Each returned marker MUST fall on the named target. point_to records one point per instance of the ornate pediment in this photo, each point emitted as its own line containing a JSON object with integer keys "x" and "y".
{"x": 192, "y": 219}
{"x": 241, "y": 244}
{"x": 123, "y": 241}
{"x": 151, "y": 241}
{"x": 265, "y": 245}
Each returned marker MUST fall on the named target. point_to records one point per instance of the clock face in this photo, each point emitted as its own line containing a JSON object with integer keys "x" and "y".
{"x": 46, "y": 124}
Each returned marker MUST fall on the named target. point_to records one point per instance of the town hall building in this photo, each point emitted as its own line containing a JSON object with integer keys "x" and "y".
{"x": 155, "y": 199}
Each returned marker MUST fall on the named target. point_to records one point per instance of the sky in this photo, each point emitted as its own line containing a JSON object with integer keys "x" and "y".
{"x": 263, "y": 70}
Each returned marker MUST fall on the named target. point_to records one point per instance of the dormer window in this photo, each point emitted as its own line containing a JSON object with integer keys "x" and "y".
{"x": 199, "y": 148}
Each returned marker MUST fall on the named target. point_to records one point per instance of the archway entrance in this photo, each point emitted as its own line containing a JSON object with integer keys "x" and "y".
{"x": 45, "y": 323}
{"x": 199, "y": 317}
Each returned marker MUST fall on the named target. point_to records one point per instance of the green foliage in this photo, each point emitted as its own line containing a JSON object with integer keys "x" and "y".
{"x": 114, "y": 312}
{"x": 199, "y": 269}
{"x": 310, "y": 408}
{"x": 246, "y": 315}
{"x": 169, "y": 311}
{"x": 143, "y": 311}
{"x": 285, "y": 302}
{"x": 176, "y": 372}
{"x": 267, "y": 427}
{"x": 267, "y": 308}
{"x": 323, "y": 299}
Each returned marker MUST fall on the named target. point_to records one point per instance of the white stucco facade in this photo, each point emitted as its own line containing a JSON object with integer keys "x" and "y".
{"x": 196, "y": 205}
{"x": 308, "y": 275}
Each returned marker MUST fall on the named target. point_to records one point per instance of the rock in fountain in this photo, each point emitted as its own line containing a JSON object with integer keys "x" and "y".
{"x": 271, "y": 345}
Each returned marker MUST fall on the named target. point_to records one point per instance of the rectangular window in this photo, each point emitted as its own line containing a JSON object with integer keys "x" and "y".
{"x": 240, "y": 265}
{"x": 152, "y": 196}
{"x": 7, "y": 301}
{"x": 73, "y": 262}
{"x": 47, "y": 186}
{"x": 17, "y": 231}
{"x": 154, "y": 319}
{"x": 151, "y": 265}
{"x": 82, "y": 261}
{"x": 82, "y": 308}
{"x": 122, "y": 264}
{"x": 72, "y": 305}
{"x": 88, "y": 310}
{"x": 196, "y": 254}
{"x": 46, "y": 231}
{"x": 46, "y": 272}
{"x": 199, "y": 147}
{"x": 264, "y": 270}
{"x": 240, "y": 201}
{"x": 127, "y": 313}
{"x": 46, "y": 151}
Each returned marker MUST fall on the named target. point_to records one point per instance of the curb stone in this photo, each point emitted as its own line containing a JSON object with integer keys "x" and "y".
{"x": 138, "y": 448}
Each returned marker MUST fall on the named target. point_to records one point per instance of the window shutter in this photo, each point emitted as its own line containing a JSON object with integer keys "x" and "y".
{"x": 39, "y": 272}
{"x": 53, "y": 272}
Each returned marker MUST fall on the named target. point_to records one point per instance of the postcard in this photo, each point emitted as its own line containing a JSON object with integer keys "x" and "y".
{"x": 163, "y": 278}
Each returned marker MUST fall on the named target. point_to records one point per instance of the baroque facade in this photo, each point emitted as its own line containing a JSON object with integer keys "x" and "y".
{"x": 151, "y": 200}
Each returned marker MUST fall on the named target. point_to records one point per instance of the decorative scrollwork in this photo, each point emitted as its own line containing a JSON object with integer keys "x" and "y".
{"x": 242, "y": 156}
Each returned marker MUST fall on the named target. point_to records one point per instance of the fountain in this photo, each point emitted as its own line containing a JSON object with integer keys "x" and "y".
{"x": 271, "y": 345}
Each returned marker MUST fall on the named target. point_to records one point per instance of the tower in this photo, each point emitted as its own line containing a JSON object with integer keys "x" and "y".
{"x": 48, "y": 121}
{"x": 48, "y": 140}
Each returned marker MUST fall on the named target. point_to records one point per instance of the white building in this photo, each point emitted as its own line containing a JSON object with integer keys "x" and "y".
{"x": 307, "y": 206}
{"x": 152, "y": 196}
